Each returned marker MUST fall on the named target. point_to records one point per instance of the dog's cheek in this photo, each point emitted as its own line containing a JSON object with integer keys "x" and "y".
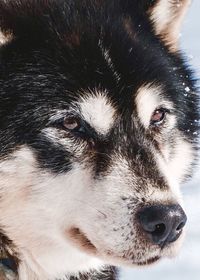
{"x": 180, "y": 160}
{"x": 175, "y": 164}
{"x": 109, "y": 220}
{"x": 115, "y": 233}
{"x": 111, "y": 230}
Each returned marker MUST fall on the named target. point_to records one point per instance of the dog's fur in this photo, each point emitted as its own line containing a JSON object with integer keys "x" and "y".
{"x": 68, "y": 198}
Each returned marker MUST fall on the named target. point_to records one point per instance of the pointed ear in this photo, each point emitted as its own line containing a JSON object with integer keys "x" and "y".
{"x": 167, "y": 17}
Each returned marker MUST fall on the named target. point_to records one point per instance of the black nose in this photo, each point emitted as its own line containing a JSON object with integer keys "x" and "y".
{"x": 162, "y": 223}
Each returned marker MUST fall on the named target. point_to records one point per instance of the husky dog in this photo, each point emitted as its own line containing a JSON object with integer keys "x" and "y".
{"x": 98, "y": 127}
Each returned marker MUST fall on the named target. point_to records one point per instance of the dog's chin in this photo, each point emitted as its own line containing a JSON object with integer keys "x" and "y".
{"x": 148, "y": 262}
{"x": 81, "y": 242}
{"x": 171, "y": 251}
{"x": 126, "y": 262}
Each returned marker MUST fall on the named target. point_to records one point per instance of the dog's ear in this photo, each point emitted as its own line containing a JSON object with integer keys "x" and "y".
{"x": 18, "y": 18}
{"x": 167, "y": 17}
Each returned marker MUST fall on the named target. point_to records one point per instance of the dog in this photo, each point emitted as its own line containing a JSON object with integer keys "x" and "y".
{"x": 98, "y": 129}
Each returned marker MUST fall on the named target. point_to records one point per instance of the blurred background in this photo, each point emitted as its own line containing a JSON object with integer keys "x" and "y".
{"x": 187, "y": 265}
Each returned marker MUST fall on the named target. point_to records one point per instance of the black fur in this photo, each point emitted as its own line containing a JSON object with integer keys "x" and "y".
{"x": 8, "y": 253}
{"x": 55, "y": 53}
{"x": 107, "y": 274}
{"x": 52, "y": 39}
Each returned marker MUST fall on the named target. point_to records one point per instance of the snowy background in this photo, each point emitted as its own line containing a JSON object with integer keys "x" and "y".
{"x": 187, "y": 265}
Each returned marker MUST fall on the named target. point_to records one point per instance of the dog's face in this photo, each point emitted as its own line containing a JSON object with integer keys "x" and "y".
{"x": 98, "y": 123}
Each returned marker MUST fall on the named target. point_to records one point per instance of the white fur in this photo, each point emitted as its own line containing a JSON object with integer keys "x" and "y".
{"x": 167, "y": 17}
{"x": 5, "y": 38}
{"x": 38, "y": 209}
{"x": 176, "y": 167}
{"x": 53, "y": 134}
{"x": 98, "y": 111}
{"x": 161, "y": 15}
{"x": 108, "y": 59}
{"x": 179, "y": 164}
{"x": 35, "y": 212}
{"x": 2, "y": 38}
{"x": 148, "y": 99}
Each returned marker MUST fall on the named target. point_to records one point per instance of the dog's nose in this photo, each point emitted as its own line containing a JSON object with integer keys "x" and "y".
{"x": 163, "y": 223}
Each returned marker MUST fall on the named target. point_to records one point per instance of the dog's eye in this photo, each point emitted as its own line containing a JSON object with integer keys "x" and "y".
{"x": 71, "y": 123}
{"x": 74, "y": 125}
{"x": 158, "y": 116}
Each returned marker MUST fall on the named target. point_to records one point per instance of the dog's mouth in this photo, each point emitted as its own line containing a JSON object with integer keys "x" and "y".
{"x": 81, "y": 241}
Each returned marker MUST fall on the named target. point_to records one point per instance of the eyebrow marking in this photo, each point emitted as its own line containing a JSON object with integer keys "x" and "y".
{"x": 98, "y": 111}
{"x": 148, "y": 99}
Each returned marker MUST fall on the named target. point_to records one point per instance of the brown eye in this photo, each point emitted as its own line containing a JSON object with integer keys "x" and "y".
{"x": 78, "y": 128}
{"x": 158, "y": 116}
{"x": 75, "y": 125}
{"x": 72, "y": 123}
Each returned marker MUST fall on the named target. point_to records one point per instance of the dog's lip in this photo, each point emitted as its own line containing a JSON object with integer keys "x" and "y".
{"x": 81, "y": 240}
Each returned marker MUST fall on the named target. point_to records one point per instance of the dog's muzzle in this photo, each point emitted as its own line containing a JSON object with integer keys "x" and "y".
{"x": 162, "y": 224}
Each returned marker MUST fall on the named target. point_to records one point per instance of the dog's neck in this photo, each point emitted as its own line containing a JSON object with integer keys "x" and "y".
{"x": 8, "y": 259}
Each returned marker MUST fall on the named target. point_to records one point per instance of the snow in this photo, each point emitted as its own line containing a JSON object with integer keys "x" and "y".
{"x": 187, "y": 89}
{"x": 187, "y": 265}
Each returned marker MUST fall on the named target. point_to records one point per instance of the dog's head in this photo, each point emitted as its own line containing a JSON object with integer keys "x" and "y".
{"x": 98, "y": 128}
